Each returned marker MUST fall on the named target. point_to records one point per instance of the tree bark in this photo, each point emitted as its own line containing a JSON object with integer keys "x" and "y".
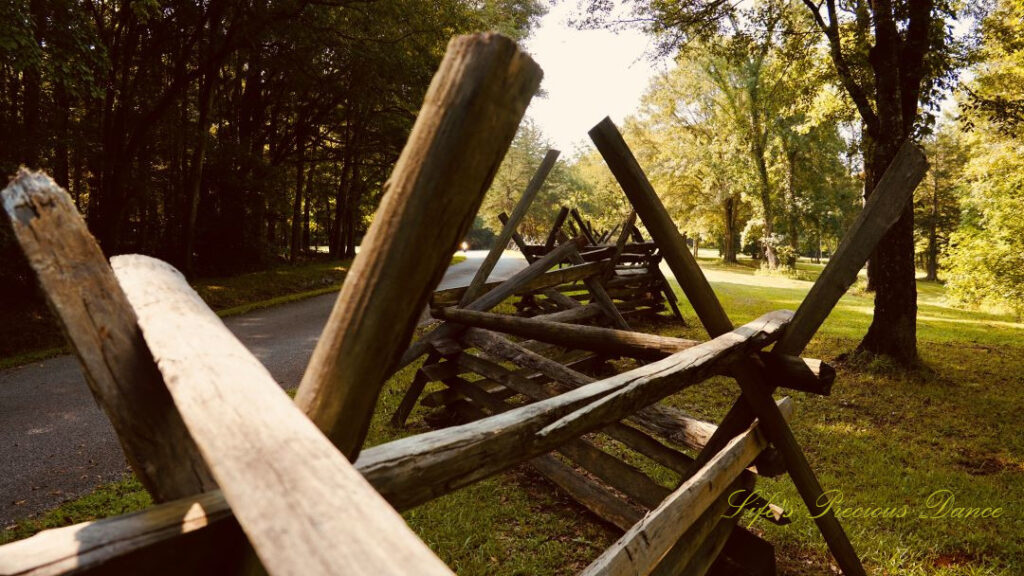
{"x": 296, "y": 228}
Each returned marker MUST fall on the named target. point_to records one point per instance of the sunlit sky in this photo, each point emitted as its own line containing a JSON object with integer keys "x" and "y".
{"x": 588, "y": 74}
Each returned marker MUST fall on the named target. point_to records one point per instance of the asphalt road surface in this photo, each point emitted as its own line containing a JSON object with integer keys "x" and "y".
{"x": 56, "y": 444}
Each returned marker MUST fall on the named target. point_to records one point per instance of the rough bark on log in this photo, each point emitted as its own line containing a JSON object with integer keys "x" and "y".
{"x": 469, "y": 116}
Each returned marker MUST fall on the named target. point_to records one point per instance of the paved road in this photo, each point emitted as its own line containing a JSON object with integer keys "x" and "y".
{"x": 56, "y": 444}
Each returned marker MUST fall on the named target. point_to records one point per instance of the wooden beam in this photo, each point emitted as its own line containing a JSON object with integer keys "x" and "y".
{"x": 584, "y": 229}
{"x": 549, "y": 279}
{"x": 491, "y": 299}
{"x": 640, "y": 393}
{"x": 664, "y": 420}
{"x": 509, "y": 228}
{"x": 593, "y": 338}
{"x": 99, "y": 323}
{"x": 469, "y": 115}
{"x": 293, "y": 493}
{"x": 419, "y": 382}
{"x": 460, "y": 455}
{"x": 644, "y": 545}
{"x": 756, "y": 389}
{"x": 809, "y": 375}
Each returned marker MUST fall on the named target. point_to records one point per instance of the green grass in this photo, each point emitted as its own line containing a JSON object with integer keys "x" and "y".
{"x": 885, "y": 437}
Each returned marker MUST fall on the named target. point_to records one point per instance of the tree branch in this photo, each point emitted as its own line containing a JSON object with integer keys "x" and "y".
{"x": 855, "y": 90}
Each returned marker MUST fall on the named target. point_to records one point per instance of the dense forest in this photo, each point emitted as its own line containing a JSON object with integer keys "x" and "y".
{"x": 223, "y": 135}
{"x": 227, "y": 136}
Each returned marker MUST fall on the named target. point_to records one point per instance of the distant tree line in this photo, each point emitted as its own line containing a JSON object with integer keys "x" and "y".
{"x": 223, "y": 135}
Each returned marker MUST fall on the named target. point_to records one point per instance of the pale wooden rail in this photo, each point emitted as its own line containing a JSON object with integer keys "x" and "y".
{"x": 294, "y": 494}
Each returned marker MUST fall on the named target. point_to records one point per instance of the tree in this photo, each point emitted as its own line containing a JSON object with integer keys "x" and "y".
{"x": 936, "y": 200}
{"x": 892, "y": 58}
{"x": 985, "y": 257}
{"x": 224, "y": 135}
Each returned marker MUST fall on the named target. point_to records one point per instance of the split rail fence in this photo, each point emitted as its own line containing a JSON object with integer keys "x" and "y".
{"x": 245, "y": 479}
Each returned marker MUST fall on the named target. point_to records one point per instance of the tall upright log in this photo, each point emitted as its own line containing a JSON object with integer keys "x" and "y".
{"x": 100, "y": 325}
{"x": 469, "y": 116}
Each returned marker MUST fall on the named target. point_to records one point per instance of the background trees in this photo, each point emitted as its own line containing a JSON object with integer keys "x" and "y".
{"x": 221, "y": 135}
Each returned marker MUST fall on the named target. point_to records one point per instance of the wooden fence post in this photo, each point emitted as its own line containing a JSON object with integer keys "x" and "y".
{"x": 469, "y": 116}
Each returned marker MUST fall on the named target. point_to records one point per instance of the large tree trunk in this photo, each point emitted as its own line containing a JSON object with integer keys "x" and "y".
{"x": 893, "y": 329}
{"x": 766, "y": 207}
{"x": 729, "y": 243}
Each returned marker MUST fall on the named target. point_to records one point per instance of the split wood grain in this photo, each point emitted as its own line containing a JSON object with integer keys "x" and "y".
{"x": 293, "y": 493}
{"x": 469, "y": 116}
{"x": 100, "y": 325}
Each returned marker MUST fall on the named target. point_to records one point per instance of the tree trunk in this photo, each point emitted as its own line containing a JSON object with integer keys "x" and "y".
{"x": 729, "y": 244}
{"x": 893, "y": 330}
{"x": 932, "y": 263}
{"x": 306, "y": 210}
{"x": 196, "y": 175}
{"x": 296, "y": 228}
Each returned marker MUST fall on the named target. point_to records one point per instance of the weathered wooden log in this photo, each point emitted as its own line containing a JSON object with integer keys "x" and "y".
{"x": 630, "y": 437}
{"x": 550, "y": 279}
{"x": 596, "y": 498}
{"x": 408, "y": 402}
{"x": 669, "y": 423}
{"x": 461, "y": 455}
{"x": 473, "y": 291}
{"x": 492, "y": 298}
{"x": 292, "y": 492}
{"x": 98, "y": 322}
{"x": 644, "y": 545}
{"x": 193, "y": 535}
{"x": 584, "y": 229}
{"x": 640, "y": 393}
{"x": 681, "y": 555}
{"x": 756, "y": 389}
{"x": 809, "y": 375}
{"x": 614, "y": 472}
{"x": 603, "y": 340}
{"x": 469, "y": 115}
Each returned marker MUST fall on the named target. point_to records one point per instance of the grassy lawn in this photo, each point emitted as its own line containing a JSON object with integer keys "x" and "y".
{"x": 886, "y": 438}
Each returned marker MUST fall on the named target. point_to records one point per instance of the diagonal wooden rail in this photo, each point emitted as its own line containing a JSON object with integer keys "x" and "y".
{"x": 753, "y": 382}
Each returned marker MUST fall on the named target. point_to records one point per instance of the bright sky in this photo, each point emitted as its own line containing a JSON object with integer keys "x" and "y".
{"x": 588, "y": 74}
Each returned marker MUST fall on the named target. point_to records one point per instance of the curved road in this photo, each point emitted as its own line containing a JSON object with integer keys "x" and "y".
{"x": 56, "y": 444}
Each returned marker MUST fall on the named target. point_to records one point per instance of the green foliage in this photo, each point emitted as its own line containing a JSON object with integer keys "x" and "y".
{"x": 986, "y": 253}
{"x": 568, "y": 184}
